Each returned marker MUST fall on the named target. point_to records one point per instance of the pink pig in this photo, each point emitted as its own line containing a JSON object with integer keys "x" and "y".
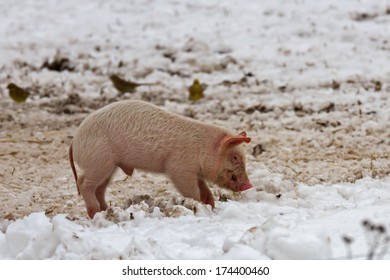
{"x": 136, "y": 134}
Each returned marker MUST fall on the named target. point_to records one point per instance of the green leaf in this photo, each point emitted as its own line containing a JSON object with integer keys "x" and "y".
{"x": 124, "y": 86}
{"x": 195, "y": 91}
{"x": 17, "y": 93}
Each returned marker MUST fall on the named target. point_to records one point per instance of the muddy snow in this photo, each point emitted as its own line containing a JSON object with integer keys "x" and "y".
{"x": 308, "y": 81}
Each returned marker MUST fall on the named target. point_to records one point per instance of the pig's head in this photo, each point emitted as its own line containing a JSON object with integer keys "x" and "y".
{"x": 231, "y": 172}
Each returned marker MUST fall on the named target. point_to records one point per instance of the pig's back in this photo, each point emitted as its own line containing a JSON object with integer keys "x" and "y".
{"x": 139, "y": 120}
{"x": 140, "y": 134}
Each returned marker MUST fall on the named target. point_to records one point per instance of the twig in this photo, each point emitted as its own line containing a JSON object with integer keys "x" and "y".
{"x": 35, "y": 141}
{"x": 9, "y": 153}
{"x": 348, "y": 241}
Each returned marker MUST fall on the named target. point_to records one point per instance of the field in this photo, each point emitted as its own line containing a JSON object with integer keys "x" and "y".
{"x": 308, "y": 81}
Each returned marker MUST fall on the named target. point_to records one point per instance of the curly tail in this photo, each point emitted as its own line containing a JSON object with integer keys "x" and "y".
{"x": 73, "y": 167}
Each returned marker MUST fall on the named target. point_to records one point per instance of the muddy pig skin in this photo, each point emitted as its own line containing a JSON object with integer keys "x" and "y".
{"x": 138, "y": 135}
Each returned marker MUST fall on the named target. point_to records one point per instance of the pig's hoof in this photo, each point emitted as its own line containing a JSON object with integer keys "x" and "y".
{"x": 92, "y": 212}
{"x": 208, "y": 200}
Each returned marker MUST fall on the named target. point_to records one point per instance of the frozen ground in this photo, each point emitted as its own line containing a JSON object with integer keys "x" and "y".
{"x": 309, "y": 81}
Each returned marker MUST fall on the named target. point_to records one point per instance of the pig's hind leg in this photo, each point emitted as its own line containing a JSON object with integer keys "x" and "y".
{"x": 100, "y": 194}
{"x": 101, "y": 189}
{"x": 92, "y": 189}
{"x": 87, "y": 190}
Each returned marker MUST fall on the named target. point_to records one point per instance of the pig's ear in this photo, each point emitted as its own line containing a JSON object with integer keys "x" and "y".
{"x": 231, "y": 141}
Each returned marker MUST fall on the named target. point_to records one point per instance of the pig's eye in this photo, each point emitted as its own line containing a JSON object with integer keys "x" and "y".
{"x": 235, "y": 159}
{"x": 234, "y": 178}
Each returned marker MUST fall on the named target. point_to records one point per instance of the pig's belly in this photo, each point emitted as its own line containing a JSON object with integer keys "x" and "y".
{"x": 151, "y": 166}
{"x": 147, "y": 160}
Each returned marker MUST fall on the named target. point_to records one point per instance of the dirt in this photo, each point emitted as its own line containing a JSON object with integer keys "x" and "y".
{"x": 341, "y": 137}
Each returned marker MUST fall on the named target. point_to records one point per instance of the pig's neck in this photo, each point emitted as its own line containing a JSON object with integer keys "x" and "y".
{"x": 213, "y": 158}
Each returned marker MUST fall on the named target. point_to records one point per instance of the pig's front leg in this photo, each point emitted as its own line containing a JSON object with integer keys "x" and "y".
{"x": 187, "y": 184}
{"x": 205, "y": 194}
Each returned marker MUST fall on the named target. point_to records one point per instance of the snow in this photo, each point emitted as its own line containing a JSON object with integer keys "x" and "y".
{"x": 304, "y": 223}
{"x": 295, "y": 48}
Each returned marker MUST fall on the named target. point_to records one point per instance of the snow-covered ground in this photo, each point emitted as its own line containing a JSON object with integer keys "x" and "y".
{"x": 307, "y": 223}
{"x": 308, "y": 80}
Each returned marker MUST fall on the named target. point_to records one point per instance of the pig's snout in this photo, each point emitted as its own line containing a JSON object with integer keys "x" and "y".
{"x": 238, "y": 184}
{"x": 245, "y": 186}
{"x": 242, "y": 183}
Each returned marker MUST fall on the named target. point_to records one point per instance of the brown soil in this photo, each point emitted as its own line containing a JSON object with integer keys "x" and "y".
{"x": 301, "y": 138}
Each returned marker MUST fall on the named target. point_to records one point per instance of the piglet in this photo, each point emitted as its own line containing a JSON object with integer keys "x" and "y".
{"x": 138, "y": 135}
